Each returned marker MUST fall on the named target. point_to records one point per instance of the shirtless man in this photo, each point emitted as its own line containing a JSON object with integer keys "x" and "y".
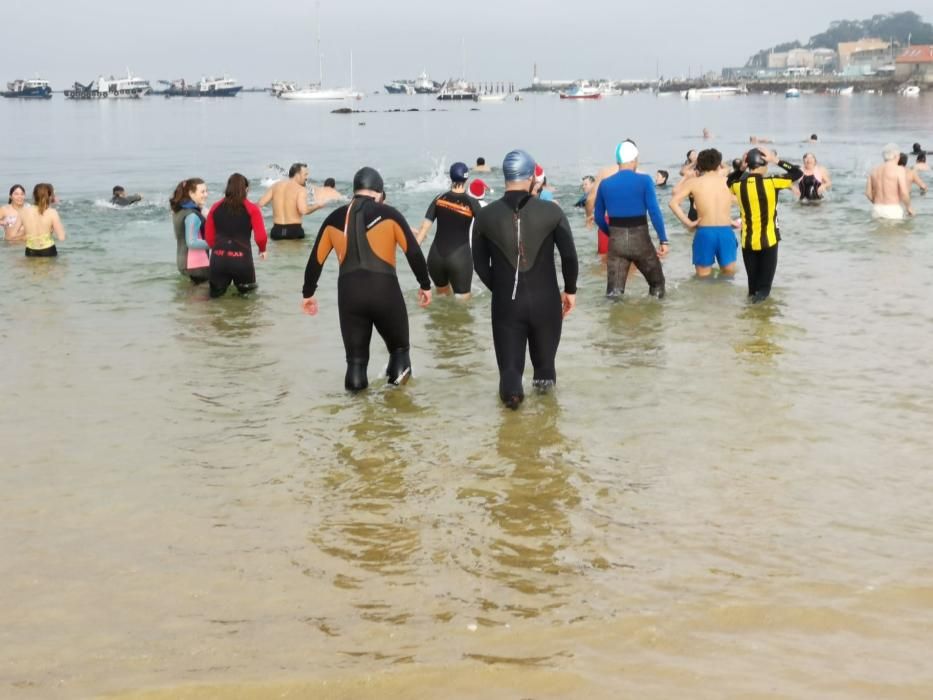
{"x": 602, "y": 244}
{"x": 888, "y": 188}
{"x": 714, "y": 240}
{"x": 289, "y": 204}
{"x": 327, "y": 193}
{"x": 913, "y": 177}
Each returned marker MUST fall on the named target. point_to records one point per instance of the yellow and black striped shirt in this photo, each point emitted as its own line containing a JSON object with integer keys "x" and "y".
{"x": 757, "y": 195}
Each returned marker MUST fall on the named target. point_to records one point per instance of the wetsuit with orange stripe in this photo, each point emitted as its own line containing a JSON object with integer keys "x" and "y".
{"x": 450, "y": 262}
{"x": 365, "y": 235}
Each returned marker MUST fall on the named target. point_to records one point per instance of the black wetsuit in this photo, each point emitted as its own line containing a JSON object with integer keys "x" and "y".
{"x": 228, "y": 234}
{"x": 526, "y": 307}
{"x": 122, "y": 201}
{"x": 286, "y": 232}
{"x": 449, "y": 260}
{"x": 365, "y": 235}
{"x": 810, "y": 186}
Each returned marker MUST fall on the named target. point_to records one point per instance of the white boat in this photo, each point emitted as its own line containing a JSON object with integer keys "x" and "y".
{"x": 847, "y": 91}
{"x": 34, "y": 88}
{"x": 714, "y": 92}
{"x": 319, "y": 94}
{"x": 581, "y": 90}
{"x": 500, "y": 97}
{"x": 792, "y": 93}
{"x": 457, "y": 90}
{"x": 280, "y": 86}
{"x": 607, "y": 89}
{"x": 206, "y": 87}
{"x": 425, "y": 86}
{"x": 130, "y": 87}
{"x": 910, "y": 91}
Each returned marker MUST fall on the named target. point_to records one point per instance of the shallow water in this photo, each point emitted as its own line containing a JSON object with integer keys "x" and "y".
{"x": 719, "y": 501}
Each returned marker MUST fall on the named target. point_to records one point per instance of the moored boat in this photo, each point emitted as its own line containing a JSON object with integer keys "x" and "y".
{"x": 581, "y": 91}
{"x": 35, "y": 88}
{"x": 129, "y": 87}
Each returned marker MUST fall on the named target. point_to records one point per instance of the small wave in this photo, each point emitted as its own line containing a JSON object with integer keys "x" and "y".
{"x": 145, "y": 204}
{"x": 436, "y": 180}
{"x": 269, "y": 181}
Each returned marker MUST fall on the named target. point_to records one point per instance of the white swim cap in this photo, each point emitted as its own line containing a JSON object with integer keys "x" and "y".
{"x": 626, "y": 152}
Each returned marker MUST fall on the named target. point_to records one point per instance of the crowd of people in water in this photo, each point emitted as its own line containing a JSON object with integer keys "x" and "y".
{"x": 510, "y": 243}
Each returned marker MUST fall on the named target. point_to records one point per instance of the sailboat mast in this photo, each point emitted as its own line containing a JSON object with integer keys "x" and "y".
{"x": 320, "y": 56}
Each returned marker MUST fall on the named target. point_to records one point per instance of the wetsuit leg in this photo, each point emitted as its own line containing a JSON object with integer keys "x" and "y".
{"x": 356, "y": 327}
{"x": 243, "y": 272}
{"x": 460, "y": 270}
{"x": 510, "y": 338}
{"x": 761, "y": 266}
{"x": 437, "y": 268}
{"x": 391, "y": 321}
{"x": 219, "y": 275}
{"x": 650, "y": 266}
{"x": 543, "y": 340}
{"x": 618, "y": 262}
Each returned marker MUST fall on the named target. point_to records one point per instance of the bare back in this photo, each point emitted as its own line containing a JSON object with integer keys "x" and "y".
{"x": 712, "y": 199}
{"x": 41, "y": 227}
{"x": 888, "y": 184}
{"x": 285, "y": 197}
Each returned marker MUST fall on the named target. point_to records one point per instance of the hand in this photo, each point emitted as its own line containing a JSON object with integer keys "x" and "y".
{"x": 663, "y": 248}
{"x": 568, "y": 302}
{"x": 737, "y": 224}
{"x": 910, "y": 211}
{"x": 692, "y": 225}
{"x": 309, "y": 306}
{"x": 424, "y": 297}
{"x": 262, "y": 255}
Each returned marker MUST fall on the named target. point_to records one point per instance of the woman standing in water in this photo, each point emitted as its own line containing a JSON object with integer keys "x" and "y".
{"x": 191, "y": 248}
{"x": 41, "y": 223}
{"x": 228, "y": 228}
{"x": 11, "y": 219}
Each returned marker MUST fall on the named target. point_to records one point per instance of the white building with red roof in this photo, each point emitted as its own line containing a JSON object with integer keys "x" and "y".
{"x": 915, "y": 64}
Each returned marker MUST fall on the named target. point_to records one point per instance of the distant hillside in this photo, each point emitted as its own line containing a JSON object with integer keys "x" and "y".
{"x": 899, "y": 27}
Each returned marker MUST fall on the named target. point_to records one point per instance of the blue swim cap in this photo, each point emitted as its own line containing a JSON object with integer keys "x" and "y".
{"x": 459, "y": 172}
{"x": 518, "y": 165}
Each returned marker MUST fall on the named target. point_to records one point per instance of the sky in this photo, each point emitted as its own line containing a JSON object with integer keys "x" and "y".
{"x": 257, "y": 42}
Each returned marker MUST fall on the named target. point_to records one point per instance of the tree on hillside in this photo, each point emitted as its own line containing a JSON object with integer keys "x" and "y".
{"x": 896, "y": 26}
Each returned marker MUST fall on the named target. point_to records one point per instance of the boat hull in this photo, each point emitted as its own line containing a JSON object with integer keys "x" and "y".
{"x": 565, "y": 96}
{"x": 195, "y": 92}
{"x": 31, "y": 94}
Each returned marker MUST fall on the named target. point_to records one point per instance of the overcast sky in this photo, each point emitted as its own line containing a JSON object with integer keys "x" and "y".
{"x": 257, "y": 42}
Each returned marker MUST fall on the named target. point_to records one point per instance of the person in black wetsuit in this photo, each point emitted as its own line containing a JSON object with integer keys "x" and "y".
{"x": 227, "y": 231}
{"x": 365, "y": 234}
{"x": 450, "y": 263}
{"x": 513, "y": 252}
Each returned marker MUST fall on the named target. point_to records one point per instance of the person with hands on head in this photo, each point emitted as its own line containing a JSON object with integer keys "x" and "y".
{"x": 365, "y": 235}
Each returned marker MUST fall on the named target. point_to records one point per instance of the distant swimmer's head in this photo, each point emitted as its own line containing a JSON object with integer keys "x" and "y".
{"x": 235, "y": 192}
{"x": 891, "y": 152}
{"x": 480, "y": 162}
{"x": 299, "y": 173}
{"x": 459, "y": 173}
{"x": 814, "y": 138}
{"x": 330, "y": 182}
{"x": 917, "y": 149}
{"x": 661, "y": 177}
{"x": 691, "y": 156}
{"x": 43, "y": 195}
{"x": 191, "y": 190}
{"x": 518, "y": 165}
{"x": 478, "y": 189}
{"x": 368, "y": 179}
{"x": 626, "y": 152}
{"x": 709, "y": 160}
{"x": 755, "y": 159}
{"x": 902, "y": 160}
{"x": 118, "y": 191}
{"x": 922, "y": 157}
{"x": 18, "y": 194}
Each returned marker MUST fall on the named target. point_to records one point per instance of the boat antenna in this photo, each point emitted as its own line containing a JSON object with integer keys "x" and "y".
{"x": 320, "y": 56}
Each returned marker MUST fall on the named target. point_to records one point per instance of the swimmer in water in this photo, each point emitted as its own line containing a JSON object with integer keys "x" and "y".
{"x": 191, "y": 248}
{"x": 289, "y": 204}
{"x": 921, "y": 165}
{"x": 623, "y": 204}
{"x": 714, "y": 240}
{"x": 913, "y": 178}
{"x": 707, "y": 134}
{"x": 888, "y": 188}
{"x": 688, "y": 171}
{"x": 757, "y": 194}
{"x": 228, "y": 228}
{"x": 120, "y": 199}
{"x": 513, "y": 252}
{"x": 481, "y": 166}
{"x": 11, "y": 219}
{"x": 327, "y": 193}
{"x": 660, "y": 179}
{"x": 450, "y": 263}
{"x": 365, "y": 233}
{"x": 754, "y": 140}
{"x": 541, "y": 189}
{"x": 813, "y": 138}
{"x": 815, "y": 181}
{"x": 42, "y": 223}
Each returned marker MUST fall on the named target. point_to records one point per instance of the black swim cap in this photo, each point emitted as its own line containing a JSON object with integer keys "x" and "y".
{"x": 755, "y": 159}
{"x": 368, "y": 179}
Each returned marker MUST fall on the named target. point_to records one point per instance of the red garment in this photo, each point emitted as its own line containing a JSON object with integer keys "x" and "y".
{"x": 237, "y": 225}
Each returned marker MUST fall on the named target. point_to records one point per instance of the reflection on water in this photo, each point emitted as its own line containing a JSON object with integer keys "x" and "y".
{"x": 761, "y": 334}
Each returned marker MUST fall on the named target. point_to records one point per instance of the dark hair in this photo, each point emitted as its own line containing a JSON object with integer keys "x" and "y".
{"x": 709, "y": 160}
{"x": 235, "y": 194}
{"x": 183, "y": 192}
{"x": 296, "y": 168}
{"x": 737, "y": 164}
{"x": 902, "y": 160}
{"x": 481, "y": 161}
{"x": 917, "y": 148}
{"x": 589, "y": 178}
{"x": 665, "y": 175}
{"x": 330, "y": 182}
{"x": 922, "y": 157}
{"x": 20, "y": 187}
{"x": 42, "y": 195}
{"x": 117, "y": 189}
{"x": 692, "y": 150}
{"x": 813, "y": 137}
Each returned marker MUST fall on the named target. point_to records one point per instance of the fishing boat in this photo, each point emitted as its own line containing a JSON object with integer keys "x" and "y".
{"x": 400, "y": 87}
{"x": 607, "y": 89}
{"x": 847, "y": 91}
{"x": 425, "y": 86}
{"x": 581, "y": 91}
{"x": 36, "y": 88}
{"x": 130, "y": 87}
{"x": 280, "y": 86}
{"x": 206, "y": 87}
{"x": 910, "y": 91}
{"x": 457, "y": 90}
{"x": 714, "y": 92}
{"x": 792, "y": 93}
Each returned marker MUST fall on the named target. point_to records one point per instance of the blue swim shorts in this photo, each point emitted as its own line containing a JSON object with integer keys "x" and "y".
{"x": 714, "y": 244}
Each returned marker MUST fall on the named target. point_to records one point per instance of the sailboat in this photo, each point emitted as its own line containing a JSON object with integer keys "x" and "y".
{"x": 318, "y": 92}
